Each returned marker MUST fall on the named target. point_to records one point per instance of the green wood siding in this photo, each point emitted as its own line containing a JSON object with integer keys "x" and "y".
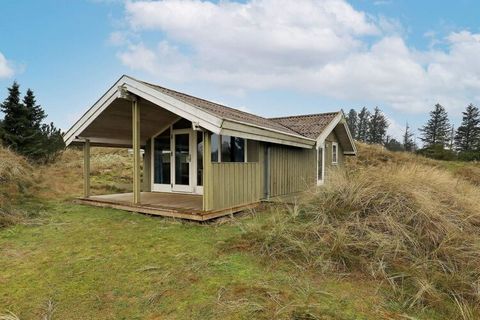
{"x": 329, "y": 166}
{"x": 235, "y": 184}
{"x": 147, "y": 167}
{"x": 291, "y": 170}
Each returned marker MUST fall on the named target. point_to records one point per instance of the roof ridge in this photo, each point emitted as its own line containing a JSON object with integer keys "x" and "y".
{"x": 306, "y": 115}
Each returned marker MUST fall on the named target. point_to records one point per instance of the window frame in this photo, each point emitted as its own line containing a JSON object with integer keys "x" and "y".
{"x": 335, "y": 153}
{"x": 219, "y": 150}
{"x": 320, "y": 181}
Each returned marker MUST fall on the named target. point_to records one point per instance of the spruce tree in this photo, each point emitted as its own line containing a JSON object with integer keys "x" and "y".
{"x": 467, "y": 137}
{"x": 436, "y": 131}
{"x": 35, "y": 112}
{"x": 52, "y": 143}
{"x": 393, "y": 144}
{"x": 33, "y": 146}
{"x": 22, "y": 129}
{"x": 362, "y": 127}
{"x": 352, "y": 120}
{"x": 377, "y": 127}
{"x": 408, "y": 142}
{"x": 15, "y": 120}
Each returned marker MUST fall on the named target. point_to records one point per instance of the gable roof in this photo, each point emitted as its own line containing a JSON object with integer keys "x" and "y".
{"x": 309, "y": 125}
{"x": 223, "y": 111}
{"x": 300, "y": 131}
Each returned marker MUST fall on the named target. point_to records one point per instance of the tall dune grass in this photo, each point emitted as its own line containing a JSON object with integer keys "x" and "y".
{"x": 412, "y": 226}
{"x": 17, "y": 182}
{"x": 110, "y": 172}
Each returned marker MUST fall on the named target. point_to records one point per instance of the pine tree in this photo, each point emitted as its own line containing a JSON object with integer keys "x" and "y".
{"x": 15, "y": 120}
{"x": 393, "y": 144}
{"x": 352, "y": 120}
{"x": 362, "y": 127}
{"x": 52, "y": 143}
{"x": 408, "y": 142}
{"x": 377, "y": 127}
{"x": 436, "y": 131}
{"x": 33, "y": 146}
{"x": 22, "y": 129}
{"x": 35, "y": 112}
{"x": 467, "y": 137}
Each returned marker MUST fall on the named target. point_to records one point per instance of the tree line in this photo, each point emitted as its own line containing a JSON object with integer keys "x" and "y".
{"x": 23, "y": 130}
{"x": 439, "y": 137}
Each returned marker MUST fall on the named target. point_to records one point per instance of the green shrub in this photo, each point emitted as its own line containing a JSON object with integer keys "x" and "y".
{"x": 438, "y": 152}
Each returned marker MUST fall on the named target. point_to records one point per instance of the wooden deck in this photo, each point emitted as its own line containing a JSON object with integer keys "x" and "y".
{"x": 176, "y": 205}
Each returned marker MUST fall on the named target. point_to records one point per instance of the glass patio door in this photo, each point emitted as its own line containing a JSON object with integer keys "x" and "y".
{"x": 162, "y": 156}
{"x": 182, "y": 161}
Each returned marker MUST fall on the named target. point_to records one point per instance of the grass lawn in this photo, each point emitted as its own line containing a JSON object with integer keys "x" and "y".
{"x": 79, "y": 262}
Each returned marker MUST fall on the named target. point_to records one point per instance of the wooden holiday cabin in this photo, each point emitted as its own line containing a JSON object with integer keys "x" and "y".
{"x": 202, "y": 160}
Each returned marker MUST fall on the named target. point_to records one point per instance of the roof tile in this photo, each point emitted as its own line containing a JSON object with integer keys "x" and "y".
{"x": 310, "y": 125}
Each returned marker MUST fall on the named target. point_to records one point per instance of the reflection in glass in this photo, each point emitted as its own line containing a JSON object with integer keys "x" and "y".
{"x": 320, "y": 164}
{"x": 182, "y": 159}
{"x": 162, "y": 158}
{"x": 199, "y": 158}
{"x": 233, "y": 149}
{"x": 214, "y": 148}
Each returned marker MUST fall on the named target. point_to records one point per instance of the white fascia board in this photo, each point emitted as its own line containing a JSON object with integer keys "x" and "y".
{"x": 184, "y": 110}
{"x": 352, "y": 141}
{"x": 173, "y": 105}
{"x": 256, "y": 137}
{"x": 339, "y": 118}
{"x": 272, "y": 130}
{"x": 242, "y": 130}
{"x": 92, "y": 113}
{"x": 321, "y": 138}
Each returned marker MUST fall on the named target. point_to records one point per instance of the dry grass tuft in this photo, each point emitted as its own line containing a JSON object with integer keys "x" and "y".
{"x": 18, "y": 181}
{"x": 111, "y": 172}
{"x": 470, "y": 173}
{"x": 16, "y": 176}
{"x": 412, "y": 226}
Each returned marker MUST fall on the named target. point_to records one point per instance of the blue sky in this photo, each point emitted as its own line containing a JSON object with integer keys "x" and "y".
{"x": 270, "y": 57}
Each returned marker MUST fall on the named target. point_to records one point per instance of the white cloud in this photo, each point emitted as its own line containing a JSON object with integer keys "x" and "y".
{"x": 6, "y": 69}
{"x": 326, "y": 47}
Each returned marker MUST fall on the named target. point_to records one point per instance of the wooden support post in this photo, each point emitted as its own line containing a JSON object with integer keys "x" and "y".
{"x": 86, "y": 168}
{"x": 207, "y": 172}
{"x": 136, "y": 150}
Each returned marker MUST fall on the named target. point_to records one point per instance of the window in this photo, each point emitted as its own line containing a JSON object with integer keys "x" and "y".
{"x": 199, "y": 158}
{"x": 320, "y": 164}
{"x": 233, "y": 149}
{"x": 228, "y": 149}
{"x": 215, "y": 141}
{"x": 162, "y": 158}
{"x": 334, "y": 152}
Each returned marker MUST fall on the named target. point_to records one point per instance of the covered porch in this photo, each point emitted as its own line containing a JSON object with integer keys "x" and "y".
{"x": 173, "y": 140}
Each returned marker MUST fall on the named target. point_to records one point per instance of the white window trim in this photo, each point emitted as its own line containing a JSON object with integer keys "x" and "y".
{"x": 320, "y": 182}
{"x": 335, "y": 154}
